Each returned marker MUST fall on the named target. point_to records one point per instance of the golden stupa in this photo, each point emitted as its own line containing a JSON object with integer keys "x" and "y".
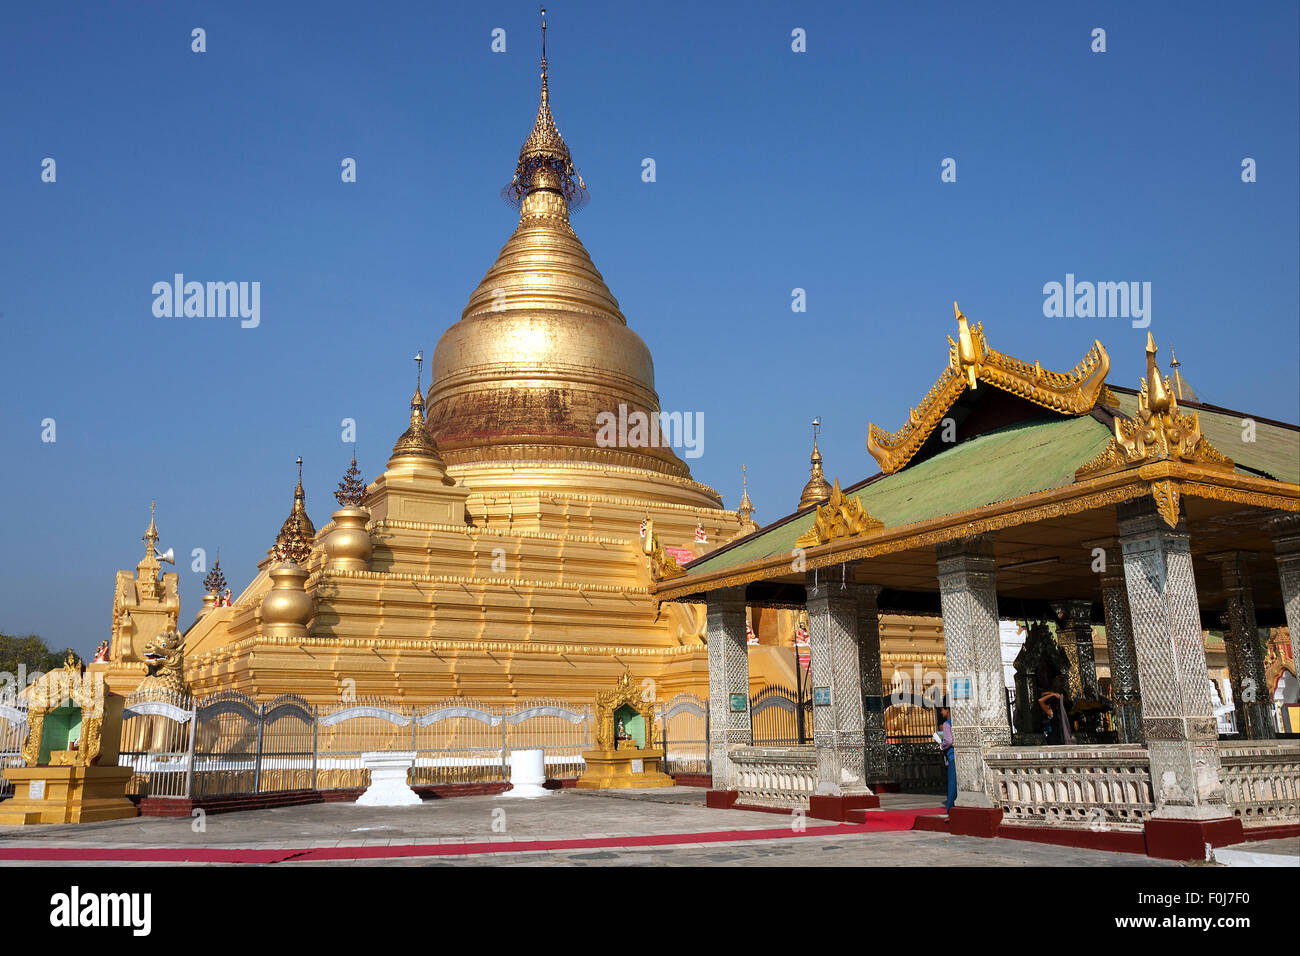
{"x": 509, "y": 553}
{"x": 505, "y": 551}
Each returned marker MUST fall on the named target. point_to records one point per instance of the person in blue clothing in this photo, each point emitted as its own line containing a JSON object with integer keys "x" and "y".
{"x": 950, "y": 764}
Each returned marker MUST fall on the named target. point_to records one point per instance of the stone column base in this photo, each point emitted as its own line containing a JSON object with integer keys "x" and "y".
{"x": 1186, "y": 839}
{"x": 974, "y": 821}
{"x": 720, "y": 799}
{"x": 828, "y": 807}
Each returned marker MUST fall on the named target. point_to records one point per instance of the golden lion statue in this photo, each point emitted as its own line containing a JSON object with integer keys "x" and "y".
{"x": 165, "y": 658}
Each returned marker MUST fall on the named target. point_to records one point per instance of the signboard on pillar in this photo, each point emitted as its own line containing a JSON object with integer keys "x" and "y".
{"x": 961, "y": 688}
{"x": 739, "y": 703}
{"x": 822, "y": 696}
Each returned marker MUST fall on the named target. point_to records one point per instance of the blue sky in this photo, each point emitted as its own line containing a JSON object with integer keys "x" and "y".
{"x": 775, "y": 170}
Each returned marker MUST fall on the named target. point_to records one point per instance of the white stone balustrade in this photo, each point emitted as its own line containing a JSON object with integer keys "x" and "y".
{"x": 1262, "y": 780}
{"x": 774, "y": 776}
{"x": 1098, "y": 787}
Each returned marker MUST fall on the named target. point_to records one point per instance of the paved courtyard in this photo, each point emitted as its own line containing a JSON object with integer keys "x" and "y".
{"x": 569, "y": 827}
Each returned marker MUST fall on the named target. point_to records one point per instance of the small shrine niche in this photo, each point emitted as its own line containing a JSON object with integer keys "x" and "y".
{"x": 629, "y": 728}
{"x": 73, "y": 721}
{"x": 70, "y": 772}
{"x": 625, "y": 755}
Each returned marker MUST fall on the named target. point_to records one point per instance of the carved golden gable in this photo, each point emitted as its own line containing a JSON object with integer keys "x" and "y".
{"x": 971, "y": 361}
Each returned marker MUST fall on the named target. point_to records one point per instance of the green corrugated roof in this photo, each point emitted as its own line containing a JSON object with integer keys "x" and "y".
{"x": 1010, "y": 462}
{"x": 1013, "y": 461}
{"x": 1275, "y": 450}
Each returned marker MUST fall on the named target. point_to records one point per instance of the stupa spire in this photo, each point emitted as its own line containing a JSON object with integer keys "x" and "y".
{"x": 746, "y": 508}
{"x": 414, "y": 442}
{"x": 544, "y": 159}
{"x": 1182, "y": 389}
{"x": 294, "y": 541}
{"x": 818, "y": 488}
{"x": 151, "y": 533}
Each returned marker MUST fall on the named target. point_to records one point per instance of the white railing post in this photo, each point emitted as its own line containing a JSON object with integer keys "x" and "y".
{"x": 189, "y": 757}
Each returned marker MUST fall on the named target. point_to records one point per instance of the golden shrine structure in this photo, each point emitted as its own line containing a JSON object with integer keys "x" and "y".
{"x": 625, "y": 755}
{"x": 70, "y": 772}
{"x": 505, "y": 552}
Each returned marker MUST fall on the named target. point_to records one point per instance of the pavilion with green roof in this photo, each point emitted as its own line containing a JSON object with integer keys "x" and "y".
{"x": 1014, "y": 492}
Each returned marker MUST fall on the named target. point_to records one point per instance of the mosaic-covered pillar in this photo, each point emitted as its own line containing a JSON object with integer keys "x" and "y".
{"x": 968, "y": 594}
{"x": 873, "y": 699}
{"x": 1231, "y": 653}
{"x": 1125, "y": 687}
{"x": 1177, "y": 714}
{"x": 1241, "y": 633}
{"x": 1286, "y": 545}
{"x": 728, "y": 676}
{"x": 1074, "y": 630}
{"x": 837, "y": 686}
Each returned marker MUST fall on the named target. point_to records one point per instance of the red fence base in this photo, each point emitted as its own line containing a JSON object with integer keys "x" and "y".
{"x": 827, "y": 807}
{"x": 1186, "y": 839}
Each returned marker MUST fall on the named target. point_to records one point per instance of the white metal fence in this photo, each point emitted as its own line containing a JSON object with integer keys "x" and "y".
{"x": 229, "y": 744}
{"x": 13, "y": 732}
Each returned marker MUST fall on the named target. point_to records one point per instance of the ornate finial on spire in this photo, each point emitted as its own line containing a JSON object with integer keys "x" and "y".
{"x": 352, "y": 489}
{"x": 151, "y": 533}
{"x": 544, "y": 159}
{"x": 818, "y": 488}
{"x": 414, "y": 441}
{"x": 215, "y": 582}
{"x": 1182, "y": 389}
{"x": 294, "y": 541}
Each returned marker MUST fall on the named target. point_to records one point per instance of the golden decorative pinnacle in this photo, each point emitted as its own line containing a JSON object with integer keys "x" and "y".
{"x": 415, "y": 441}
{"x": 151, "y": 533}
{"x": 297, "y": 533}
{"x": 840, "y": 517}
{"x": 817, "y": 488}
{"x": 968, "y": 356}
{"x": 1159, "y": 431}
{"x": 544, "y": 159}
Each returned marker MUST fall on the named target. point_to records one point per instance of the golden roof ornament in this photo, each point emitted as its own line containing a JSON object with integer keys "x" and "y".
{"x": 151, "y": 533}
{"x": 840, "y": 517}
{"x": 662, "y": 564}
{"x": 544, "y": 158}
{"x": 818, "y": 488}
{"x": 215, "y": 582}
{"x": 297, "y": 533}
{"x": 971, "y": 361}
{"x": 1159, "y": 431}
{"x": 415, "y": 442}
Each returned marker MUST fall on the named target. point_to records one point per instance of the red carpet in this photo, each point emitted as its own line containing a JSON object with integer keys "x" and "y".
{"x": 877, "y": 822}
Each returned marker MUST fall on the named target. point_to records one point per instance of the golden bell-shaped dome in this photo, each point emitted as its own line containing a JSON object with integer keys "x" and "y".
{"x": 541, "y": 349}
{"x": 818, "y": 489}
